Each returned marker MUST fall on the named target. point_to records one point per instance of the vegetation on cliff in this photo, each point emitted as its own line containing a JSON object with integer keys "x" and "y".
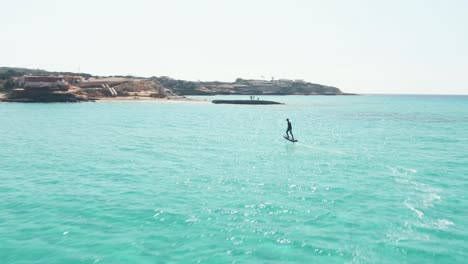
{"x": 7, "y": 72}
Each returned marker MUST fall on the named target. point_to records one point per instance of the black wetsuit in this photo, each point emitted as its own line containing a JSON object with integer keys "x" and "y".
{"x": 289, "y": 130}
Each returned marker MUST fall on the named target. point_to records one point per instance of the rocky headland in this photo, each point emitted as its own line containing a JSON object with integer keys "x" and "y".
{"x": 248, "y": 87}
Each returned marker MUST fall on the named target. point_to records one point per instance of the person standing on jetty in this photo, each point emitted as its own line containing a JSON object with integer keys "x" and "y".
{"x": 289, "y": 130}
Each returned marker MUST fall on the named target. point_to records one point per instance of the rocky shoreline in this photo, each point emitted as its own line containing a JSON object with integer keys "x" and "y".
{"x": 70, "y": 98}
{"x": 33, "y": 97}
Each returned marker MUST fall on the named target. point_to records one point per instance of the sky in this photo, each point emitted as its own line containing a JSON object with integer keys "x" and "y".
{"x": 361, "y": 46}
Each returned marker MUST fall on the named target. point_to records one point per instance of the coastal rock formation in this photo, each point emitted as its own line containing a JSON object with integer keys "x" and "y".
{"x": 248, "y": 87}
{"x": 44, "y": 88}
{"x": 28, "y": 96}
{"x": 112, "y": 86}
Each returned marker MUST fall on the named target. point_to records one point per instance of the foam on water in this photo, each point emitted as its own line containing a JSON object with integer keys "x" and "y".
{"x": 373, "y": 179}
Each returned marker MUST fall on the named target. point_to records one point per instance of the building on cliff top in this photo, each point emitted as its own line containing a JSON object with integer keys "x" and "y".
{"x": 45, "y": 82}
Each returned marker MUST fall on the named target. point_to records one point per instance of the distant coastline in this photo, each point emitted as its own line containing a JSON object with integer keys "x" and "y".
{"x": 29, "y": 85}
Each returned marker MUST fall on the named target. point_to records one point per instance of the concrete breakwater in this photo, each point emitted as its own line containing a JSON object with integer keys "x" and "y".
{"x": 249, "y": 102}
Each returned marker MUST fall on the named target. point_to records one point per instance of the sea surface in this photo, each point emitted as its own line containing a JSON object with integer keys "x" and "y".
{"x": 373, "y": 179}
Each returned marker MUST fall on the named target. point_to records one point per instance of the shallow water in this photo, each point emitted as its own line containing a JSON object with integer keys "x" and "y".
{"x": 373, "y": 179}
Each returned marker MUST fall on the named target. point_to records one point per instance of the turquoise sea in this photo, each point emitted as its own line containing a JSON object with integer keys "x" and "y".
{"x": 373, "y": 179}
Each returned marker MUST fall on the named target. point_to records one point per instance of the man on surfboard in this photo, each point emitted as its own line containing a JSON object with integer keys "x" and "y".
{"x": 289, "y": 130}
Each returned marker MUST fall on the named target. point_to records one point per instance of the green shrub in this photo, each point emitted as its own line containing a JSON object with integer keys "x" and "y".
{"x": 9, "y": 85}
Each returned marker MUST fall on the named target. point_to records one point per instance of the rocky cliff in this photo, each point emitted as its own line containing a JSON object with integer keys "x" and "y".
{"x": 247, "y": 87}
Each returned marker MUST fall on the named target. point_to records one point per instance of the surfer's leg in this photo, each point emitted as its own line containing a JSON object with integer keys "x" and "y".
{"x": 290, "y": 131}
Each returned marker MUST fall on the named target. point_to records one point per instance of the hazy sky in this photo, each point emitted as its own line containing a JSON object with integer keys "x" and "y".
{"x": 364, "y": 46}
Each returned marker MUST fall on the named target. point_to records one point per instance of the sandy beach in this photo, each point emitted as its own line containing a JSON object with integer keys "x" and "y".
{"x": 148, "y": 99}
{"x": 138, "y": 99}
